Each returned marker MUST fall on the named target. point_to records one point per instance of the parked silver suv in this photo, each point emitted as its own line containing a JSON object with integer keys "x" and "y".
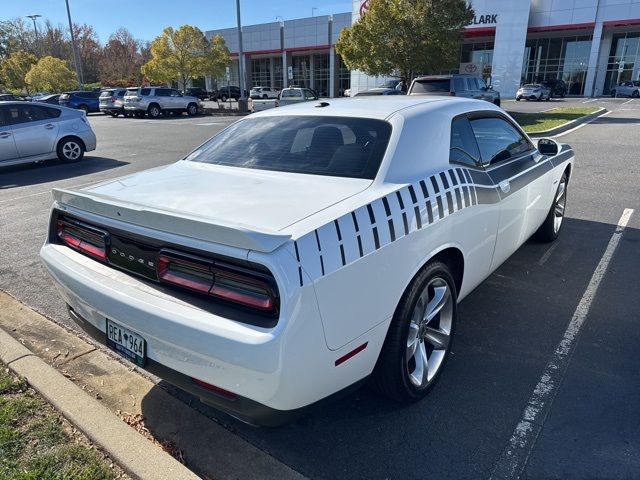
{"x": 470, "y": 86}
{"x": 154, "y": 101}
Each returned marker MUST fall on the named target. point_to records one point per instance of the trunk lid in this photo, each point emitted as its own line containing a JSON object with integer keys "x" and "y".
{"x": 233, "y": 206}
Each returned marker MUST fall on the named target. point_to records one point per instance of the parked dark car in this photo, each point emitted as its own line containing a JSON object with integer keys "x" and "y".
{"x": 197, "y": 92}
{"x": 87, "y": 101}
{"x": 7, "y": 97}
{"x": 112, "y": 101}
{"x": 461, "y": 85}
{"x": 50, "y": 99}
{"x": 228, "y": 92}
{"x": 558, "y": 87}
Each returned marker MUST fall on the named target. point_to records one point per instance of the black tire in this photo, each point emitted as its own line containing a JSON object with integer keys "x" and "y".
{"x": 635, "y": 94}
{"x": 517, "y": 99}
{"x": 540, "y": 98}
{"x": 70, "y": 150}
{"x": 496, "y": 103}
{"x": 391, "y": 375}
{"x": 154, "y": 111}
{"x": 84, "y": 108}
{"x": 562, "y": 95}
{"x": 223, "y": 98}
{"x": 548, "y": 232}
{"x": 265, "y": 96}
{"x": 114, "y": 114}
{"x": 192, "y": 109}
{"x": 613, "y": 93}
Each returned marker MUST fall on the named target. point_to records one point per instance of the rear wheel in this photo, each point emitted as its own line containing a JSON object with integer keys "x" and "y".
{"x": 419, "y": 338}
{"x": 550, "y": 229}
{"x": 613, "y": 93}
{"x": 84, "y": 108}
{"x": 154, "y": 111}
{"x": 192, "y": 109}
{"x": 496, "y": 103}
{"x": 70, "y": 150}
{"x": 114, "y": 114}
{"x": 636, "y": 94}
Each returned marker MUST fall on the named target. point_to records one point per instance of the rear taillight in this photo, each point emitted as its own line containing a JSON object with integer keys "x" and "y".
{"x": 219, "y": 280}
{"x": 83, "y": 238}
{"x": 113, "y": 100}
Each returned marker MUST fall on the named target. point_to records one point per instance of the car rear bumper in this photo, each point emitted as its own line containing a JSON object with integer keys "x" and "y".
{"x": 270, "y": 374}
{"x": 110, "y": 108}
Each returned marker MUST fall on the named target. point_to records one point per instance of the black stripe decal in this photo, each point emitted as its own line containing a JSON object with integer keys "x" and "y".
{"x": 355, "y": 221}
{"x": 467, "y": 198}
{"x": 387, "y": 210}
{"x": 468, "y": 175}
{"x": 435, "y": 185}
{"x": 375, "y": 237}
{"x": 430, "y": 212}
{"x": 450, "y": 202}
{"x": 412, "y": 192}
{"x": 360, "y": 247}
{"x": 440, "y": 208}
{"x": 392, "y": 230}
{"x": 320, "y": 251}
{"x": 372, "y": 216}
{"x": 416, "y": 209}
{"x": 458, "y": 198}
{"x": 318, "y": 240}
{"x": 406, "y": 223}
{"x": 342, "y": 255}
{"x": 295, "y": 245}
{"x": 335, "y": 222}
{"x": 423, "y": 186}
{"x": 454, "y": 180}
{"x": 400, "y": 202}
{"x": 445, "y": 182}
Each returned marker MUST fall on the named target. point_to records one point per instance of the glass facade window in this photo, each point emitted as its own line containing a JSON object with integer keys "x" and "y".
{"x": 277, "y": 73}
{"x": 480, "y": 53}
{"x": 301, "y": 71}
{"x": 625, "y": 51}
{"x": 344, "y": 76}
{"x": 321, "y": 74}
{"x": 260, "y": 72}
{"x": 564, "y": 58}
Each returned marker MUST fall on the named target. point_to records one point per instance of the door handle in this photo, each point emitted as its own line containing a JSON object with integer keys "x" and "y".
{"x": 49, "y": 126}
{"x": 505, "y": 186}
{"x": 5, "y": 135}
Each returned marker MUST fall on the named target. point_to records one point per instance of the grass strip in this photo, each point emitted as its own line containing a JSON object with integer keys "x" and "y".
{"x": 542, "y": 121}
{"x": 36, "y": 443}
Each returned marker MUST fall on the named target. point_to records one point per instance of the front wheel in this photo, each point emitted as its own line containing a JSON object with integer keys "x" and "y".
{"x": 154, "y": 111}
{"x": 419, "y": 338}
{"x": 192, "y": 109}
{"x": 70, "y": 150}
{"x": 550, "y": 229}
{"x": 635, "y": 94}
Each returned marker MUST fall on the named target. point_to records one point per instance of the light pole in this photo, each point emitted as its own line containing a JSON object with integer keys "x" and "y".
{"x": 76, "y": 55}
{"x": 240, "y": 56}
{"x": 35, "y": 28}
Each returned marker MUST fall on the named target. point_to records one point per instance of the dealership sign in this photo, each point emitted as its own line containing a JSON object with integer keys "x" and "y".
{"x": 472, "y": 68}
{"x": 490, "y": 19}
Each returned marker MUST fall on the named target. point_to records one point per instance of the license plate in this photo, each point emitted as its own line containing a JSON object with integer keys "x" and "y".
{"x": 128, "y": 344}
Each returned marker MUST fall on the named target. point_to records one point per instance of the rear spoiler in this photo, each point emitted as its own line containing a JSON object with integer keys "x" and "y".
{"x": 169, "y": 221}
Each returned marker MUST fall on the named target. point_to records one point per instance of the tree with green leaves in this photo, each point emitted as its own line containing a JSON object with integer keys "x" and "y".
{"x": 51, "y": 74}
{"x": 185, "y": 54}
{"x": 405, "y": 36}
{"x": 14, "y": 69}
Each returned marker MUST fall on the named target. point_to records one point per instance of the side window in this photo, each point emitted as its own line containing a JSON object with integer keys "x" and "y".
{"x": 162, "y": 92}
{"x": 145, "y": 91}
{"x": 464, "y": 148}
{"x": 498, "y": 140}
{"x": 458, "y": 84}
{"x": 471, "y": 83}
{"x": 482, "y": 85}
{"x": 175, "y": 93}
{"x": 3, "y": 117}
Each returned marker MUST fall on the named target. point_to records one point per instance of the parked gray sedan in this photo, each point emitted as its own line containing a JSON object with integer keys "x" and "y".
{"x": 32, "y": 132}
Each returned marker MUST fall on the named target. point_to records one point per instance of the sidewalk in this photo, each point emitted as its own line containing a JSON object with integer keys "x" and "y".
{"x": 91, "y": 387}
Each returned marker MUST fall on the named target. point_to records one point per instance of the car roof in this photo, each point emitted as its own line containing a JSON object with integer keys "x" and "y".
{"x": 379, "y": 107}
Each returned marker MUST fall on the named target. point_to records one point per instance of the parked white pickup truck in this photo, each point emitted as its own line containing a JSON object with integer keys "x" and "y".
{"x": 288, "y": 96}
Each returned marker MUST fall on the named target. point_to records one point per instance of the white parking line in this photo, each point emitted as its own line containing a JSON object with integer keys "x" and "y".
{"x": 592, "y": 100}
{"x": 514, "y": 457}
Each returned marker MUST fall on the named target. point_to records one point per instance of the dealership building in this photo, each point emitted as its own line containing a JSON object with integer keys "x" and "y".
{"x": 590, "y": 44}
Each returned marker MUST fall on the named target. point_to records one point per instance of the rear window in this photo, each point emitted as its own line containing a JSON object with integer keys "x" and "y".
{"x": 432, "y": 86}
{"x": 291, "y": 93}
{"x": 333, "y": 146}
{"x": 131, "y": 91}
{"x": 107, "y": 93}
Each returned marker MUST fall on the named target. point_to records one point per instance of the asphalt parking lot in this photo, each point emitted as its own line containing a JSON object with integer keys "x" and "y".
{"x": 508, "y": 328}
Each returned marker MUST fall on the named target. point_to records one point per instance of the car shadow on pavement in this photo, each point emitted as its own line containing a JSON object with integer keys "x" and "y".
{"x": 51, "y": 171}
{"x": 508, "y": 328}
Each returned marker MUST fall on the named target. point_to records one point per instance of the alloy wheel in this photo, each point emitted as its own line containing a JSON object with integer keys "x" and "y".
{"x": 429, "y": 332}
{"x": 71, "y": 150}
{"x": 559, "y": 206}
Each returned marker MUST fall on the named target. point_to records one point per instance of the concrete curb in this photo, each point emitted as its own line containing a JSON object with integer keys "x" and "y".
{"x": 135, "y": 454}
{"x": 569, "y": 125}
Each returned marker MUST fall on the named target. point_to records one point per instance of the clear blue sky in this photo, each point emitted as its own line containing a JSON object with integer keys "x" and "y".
{"x": 146, "y": 18}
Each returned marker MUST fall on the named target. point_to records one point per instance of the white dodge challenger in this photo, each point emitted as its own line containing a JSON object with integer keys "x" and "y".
{"x": 303, "y": 250}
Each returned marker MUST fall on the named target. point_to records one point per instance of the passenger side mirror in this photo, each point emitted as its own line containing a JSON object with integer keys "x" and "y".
{"x": 549, "y": 147}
